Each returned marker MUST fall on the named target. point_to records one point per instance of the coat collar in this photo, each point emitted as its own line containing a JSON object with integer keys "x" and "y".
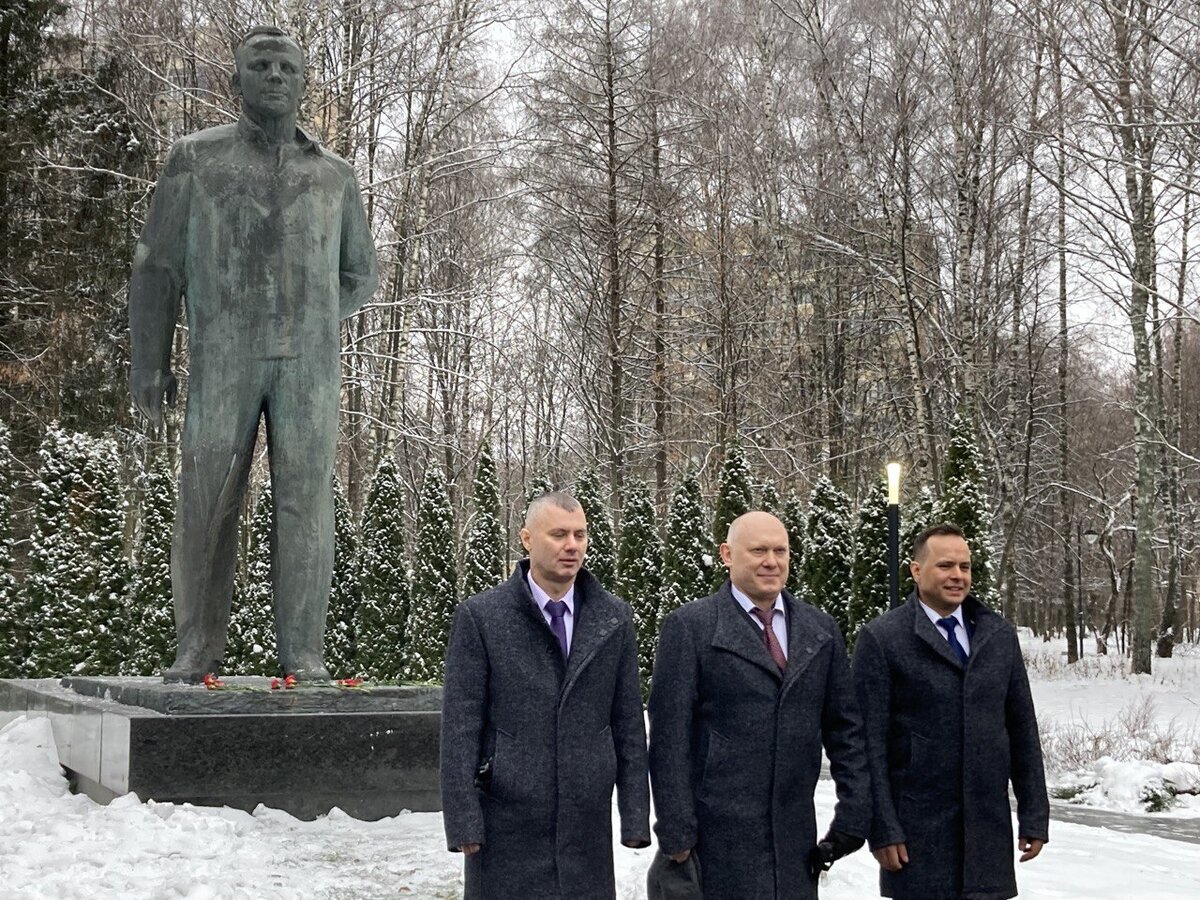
{"x": 805, "y": 639}
{"x": 596, "y": 620}
{"x": 526, "y": 609}
{"x": 252, "y": 133}
{"x": 737, "y": 634}
{"x": 596, "y": 623}
{"x": 981, "y": 625}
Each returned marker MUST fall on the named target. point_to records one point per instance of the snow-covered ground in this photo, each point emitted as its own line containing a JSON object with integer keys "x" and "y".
{"x": 57, "y": 845}
{"x": 1119, "y": 741}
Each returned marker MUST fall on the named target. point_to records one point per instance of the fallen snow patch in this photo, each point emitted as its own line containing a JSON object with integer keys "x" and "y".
{"x": 1134, "y": 785}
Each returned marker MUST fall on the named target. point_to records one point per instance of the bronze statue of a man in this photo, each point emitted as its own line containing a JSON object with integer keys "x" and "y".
{"x": 263, "y": 232}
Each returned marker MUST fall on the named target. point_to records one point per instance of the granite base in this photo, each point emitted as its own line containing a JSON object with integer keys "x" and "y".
{"x": 370, "y": 752}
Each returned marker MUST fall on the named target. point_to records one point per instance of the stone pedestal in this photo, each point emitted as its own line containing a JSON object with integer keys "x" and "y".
{"x": 371, "y": 752}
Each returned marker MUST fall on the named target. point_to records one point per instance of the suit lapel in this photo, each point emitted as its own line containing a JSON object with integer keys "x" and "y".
{"x": 594, "y": 625}
{"x": 804, "y": 641}
{"x": 981, "y": 622}
{"x": 736, "y": 634}
{"x": 528, "y": 612}
{"x": 926, "y": 631}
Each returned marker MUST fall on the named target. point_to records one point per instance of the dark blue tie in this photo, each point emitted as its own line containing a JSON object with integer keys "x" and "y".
{"x": 950, "y": 623}
{"x": 558, "y": 609}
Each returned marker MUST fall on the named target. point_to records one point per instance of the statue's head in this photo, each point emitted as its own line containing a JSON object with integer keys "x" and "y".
{"x": 269, "y": 72}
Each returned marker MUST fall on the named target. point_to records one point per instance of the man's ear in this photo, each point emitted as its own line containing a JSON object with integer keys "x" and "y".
{"x": 726, "y": 554}
{"x": 525, "y": 536}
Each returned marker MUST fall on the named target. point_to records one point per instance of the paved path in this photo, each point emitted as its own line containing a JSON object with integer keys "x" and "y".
{"x": 1187, "y": 830}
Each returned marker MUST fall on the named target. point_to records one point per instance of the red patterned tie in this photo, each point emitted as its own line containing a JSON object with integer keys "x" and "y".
{"x": 765, "y": 616}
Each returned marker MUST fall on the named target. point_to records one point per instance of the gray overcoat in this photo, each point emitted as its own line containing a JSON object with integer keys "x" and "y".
{"x": 735, "y": 748}
{"x": 943, "y": 743}
{"x": 559, "y": 737}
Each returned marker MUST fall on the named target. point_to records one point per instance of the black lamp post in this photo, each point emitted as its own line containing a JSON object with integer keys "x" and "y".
{"x": 893, "y": 538}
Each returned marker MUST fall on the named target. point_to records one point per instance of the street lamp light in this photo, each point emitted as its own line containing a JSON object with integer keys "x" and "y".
{"x": 893, "y": 538}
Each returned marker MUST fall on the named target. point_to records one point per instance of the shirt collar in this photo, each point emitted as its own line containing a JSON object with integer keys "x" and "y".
{"x": 934, "y": 617}
{"x": 252, "y": 133}
{"x": 541, "y": 598}
{"x": 747, "y": 604}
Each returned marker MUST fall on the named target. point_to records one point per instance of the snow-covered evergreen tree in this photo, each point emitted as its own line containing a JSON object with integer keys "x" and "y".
{"x": 735, "y": 491}
{"x": 869, "y": 577}
{"x": 340, "y": 644}
{"x": 435, "y": 581}
{"x": 14, "y": 638}
{"x": 601, "y": 558}
{"x": 768, "y": 498}
{"x": 538, "y": 485}
{"x": 50, "y": 606}
{"x": 78, "y": 575}
{"x": 918, "y": 514}
{"x": 150, "y": 620}
{"x": 794, "y": 520}
{"x": 384, "y": 578}
{"x": 735, "y": 497}
{"x": 483, "y": 566}
{"x": 75, "y": 592}
{"x": 105, "y": 568}
{"x": 829, "y": 551}
{"x": 965, "y": 502}
{"x": 688, "y": 551}
{"x": 639, "y": 567}
{"x": 251, "y": 649}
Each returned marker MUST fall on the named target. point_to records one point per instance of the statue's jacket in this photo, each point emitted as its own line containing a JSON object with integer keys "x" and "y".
{"x": 269, "y": 244}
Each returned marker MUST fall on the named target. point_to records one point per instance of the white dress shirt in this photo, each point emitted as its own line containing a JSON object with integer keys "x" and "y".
{"x": 541, "y": 598}
{"x": 778, "y": 623}
{"x": 960, "y": 633}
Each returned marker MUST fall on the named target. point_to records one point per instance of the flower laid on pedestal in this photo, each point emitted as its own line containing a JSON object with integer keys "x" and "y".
{"x": 213, "y": 683}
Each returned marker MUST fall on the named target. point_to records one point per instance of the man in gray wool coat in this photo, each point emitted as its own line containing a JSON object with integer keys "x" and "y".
{"x": 950, "y": 721}
{"x": 541, "y": 717}
{"x": 748, "y": 685}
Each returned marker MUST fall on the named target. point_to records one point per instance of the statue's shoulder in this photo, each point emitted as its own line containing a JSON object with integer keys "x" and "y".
{"x": 184, "y": 153}
{"x": 340, "y": 165}
{"x": 215, "y": 134}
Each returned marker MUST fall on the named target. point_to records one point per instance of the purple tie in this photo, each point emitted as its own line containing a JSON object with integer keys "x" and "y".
{"x": 769, "y": 637}
{"x": 558, "y": 609}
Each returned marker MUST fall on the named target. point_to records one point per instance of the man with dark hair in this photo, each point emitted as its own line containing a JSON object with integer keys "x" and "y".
{"x": 749, "y": 685}
{"x": 950, "y": 722}
{"x": 541, "y": 718}
{"x": 263, "y": 231}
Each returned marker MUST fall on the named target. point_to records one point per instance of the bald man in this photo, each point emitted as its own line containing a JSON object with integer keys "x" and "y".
{"x": 541, "y": 718}
{"x": 748, "y": 685}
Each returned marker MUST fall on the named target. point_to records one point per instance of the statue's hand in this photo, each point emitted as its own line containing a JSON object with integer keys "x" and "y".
{"x": 149, "y": 388}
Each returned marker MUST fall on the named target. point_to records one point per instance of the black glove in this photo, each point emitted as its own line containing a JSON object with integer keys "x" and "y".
{"x": 833, "y": 847}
